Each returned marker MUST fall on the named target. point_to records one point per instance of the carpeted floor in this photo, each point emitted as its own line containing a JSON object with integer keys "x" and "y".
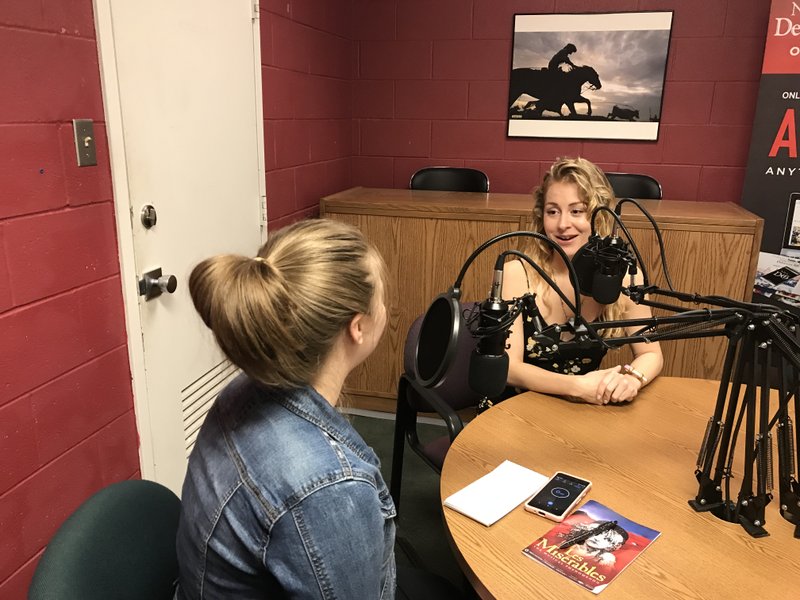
{"x": 421, "y": 523}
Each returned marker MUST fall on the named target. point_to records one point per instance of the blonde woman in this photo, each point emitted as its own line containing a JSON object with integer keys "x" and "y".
{"x": 571, "y": 189}
{"x": 282, "y": 498}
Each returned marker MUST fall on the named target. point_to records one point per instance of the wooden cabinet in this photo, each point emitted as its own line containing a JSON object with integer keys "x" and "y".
{"x": 425, "y": 237}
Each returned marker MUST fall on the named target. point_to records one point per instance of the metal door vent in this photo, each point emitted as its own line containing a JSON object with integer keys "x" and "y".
{"x": 198, "y": 396}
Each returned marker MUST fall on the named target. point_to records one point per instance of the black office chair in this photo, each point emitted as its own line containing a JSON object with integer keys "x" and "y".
{"x": 634, "y": 185}
{"x": 120, "y": 543}
{"x": 449, "y": 179}
{"x": 447, "y": 397}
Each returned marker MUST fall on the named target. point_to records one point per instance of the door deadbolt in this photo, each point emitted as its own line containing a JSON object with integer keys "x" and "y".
{"x": 153, "y": 284}
{"x": 148, "y": 216}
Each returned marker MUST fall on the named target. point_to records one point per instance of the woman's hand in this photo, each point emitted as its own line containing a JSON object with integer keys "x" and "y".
{"x": 607, "y": 386}
{"x": 618, "y": 386}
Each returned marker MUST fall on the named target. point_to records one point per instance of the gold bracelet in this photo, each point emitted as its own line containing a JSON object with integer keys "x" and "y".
{"x": 629, "y": 370}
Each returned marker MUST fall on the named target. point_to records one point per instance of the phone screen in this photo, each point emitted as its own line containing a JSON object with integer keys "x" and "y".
{"x": 558, "y": 494}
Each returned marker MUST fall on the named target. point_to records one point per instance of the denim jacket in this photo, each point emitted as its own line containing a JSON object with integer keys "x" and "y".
{"x": 283, "y": 499}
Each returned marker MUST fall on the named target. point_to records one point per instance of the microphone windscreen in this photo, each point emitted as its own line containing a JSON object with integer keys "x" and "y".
{"x": 584, "y": 263}
{"x": 488, "y": 374}
{"x": 437, "y": 341}
{"x": 607, "y": 288}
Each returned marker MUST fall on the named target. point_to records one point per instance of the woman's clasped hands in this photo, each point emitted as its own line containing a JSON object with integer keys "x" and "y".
{"x": 606, "y": 386}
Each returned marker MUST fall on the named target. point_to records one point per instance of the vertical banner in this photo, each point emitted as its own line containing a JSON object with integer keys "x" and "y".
{"x": 772, "y": 180}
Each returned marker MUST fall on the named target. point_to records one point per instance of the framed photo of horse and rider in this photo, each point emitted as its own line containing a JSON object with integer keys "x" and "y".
{"x": 592, "y": 76}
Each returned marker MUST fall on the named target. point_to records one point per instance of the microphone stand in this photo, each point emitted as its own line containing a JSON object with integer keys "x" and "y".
{"x": 751, "y": 350}
{"x": 759, "y": 336}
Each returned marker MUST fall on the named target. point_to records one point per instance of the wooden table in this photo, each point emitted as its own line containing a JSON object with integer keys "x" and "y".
{"x": 641, "y": 459}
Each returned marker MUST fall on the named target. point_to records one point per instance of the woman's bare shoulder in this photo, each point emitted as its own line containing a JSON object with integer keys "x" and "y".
{"x": 515, "y": 278}
{"x": 514, "y": 268}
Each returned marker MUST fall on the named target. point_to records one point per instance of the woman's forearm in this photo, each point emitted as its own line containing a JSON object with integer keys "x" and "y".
{"x": 529, "y": 377}
{"x": 648, "y": 364}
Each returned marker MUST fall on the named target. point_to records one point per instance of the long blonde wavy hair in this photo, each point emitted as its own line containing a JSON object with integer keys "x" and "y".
{"x": 594, "y": 190}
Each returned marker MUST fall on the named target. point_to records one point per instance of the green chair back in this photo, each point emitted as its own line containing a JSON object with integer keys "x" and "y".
{"x": 118, "y": 545}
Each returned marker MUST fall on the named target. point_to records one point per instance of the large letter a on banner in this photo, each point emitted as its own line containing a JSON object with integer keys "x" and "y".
{"x": 786, "y": 136}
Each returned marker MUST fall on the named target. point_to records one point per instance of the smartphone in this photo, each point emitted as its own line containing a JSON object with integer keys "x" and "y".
{"x": 558, "y": 497}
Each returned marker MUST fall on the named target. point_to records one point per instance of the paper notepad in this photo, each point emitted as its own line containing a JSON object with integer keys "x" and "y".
{"x": 497, "y": 493}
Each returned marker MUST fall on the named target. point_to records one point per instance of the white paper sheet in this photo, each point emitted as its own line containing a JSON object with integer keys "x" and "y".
{"x": 497, "y": 493}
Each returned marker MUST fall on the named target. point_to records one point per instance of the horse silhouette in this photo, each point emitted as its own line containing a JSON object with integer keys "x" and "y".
{"x": 551, "y": 89}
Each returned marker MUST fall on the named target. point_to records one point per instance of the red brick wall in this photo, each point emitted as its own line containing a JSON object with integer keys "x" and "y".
{"x": 66, "y": 410}
{"x": 432, "y": 83}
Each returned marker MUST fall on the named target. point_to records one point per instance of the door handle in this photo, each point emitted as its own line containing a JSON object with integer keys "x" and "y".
{"x": 153, "y": 284}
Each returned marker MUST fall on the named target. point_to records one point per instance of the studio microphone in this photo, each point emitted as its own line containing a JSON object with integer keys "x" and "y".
{"x": 584, "y": 262}
{"x": 611, "y": 267}
{"x": 488, "y": 365}
{"x": 600, "y": 265}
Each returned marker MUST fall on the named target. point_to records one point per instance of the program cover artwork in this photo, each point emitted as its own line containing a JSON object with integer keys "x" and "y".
{"x": 596, "y": 560}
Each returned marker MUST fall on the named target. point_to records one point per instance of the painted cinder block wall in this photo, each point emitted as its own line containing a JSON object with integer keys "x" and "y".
{"x": 308, "y": 66}
{"x": 66, "y": 409}
{"x": 421, "y": 82}
{"x": 432, "y": 83}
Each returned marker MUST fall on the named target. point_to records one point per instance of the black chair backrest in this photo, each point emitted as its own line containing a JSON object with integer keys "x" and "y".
{"x": 634, "y": 185}
{"x": 120, "y": 543}
{"x": 450, "y": 179}
{"x": 454, "y": 387}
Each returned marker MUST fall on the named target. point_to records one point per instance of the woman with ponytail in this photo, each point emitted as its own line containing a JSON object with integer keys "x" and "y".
{"x": 282, "y": 498}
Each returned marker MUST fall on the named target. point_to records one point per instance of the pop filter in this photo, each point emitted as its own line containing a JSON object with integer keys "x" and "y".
{"x": 438, "y": 339}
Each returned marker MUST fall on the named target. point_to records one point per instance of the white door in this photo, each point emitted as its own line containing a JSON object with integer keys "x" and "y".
{"x": 182, "y": 93}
